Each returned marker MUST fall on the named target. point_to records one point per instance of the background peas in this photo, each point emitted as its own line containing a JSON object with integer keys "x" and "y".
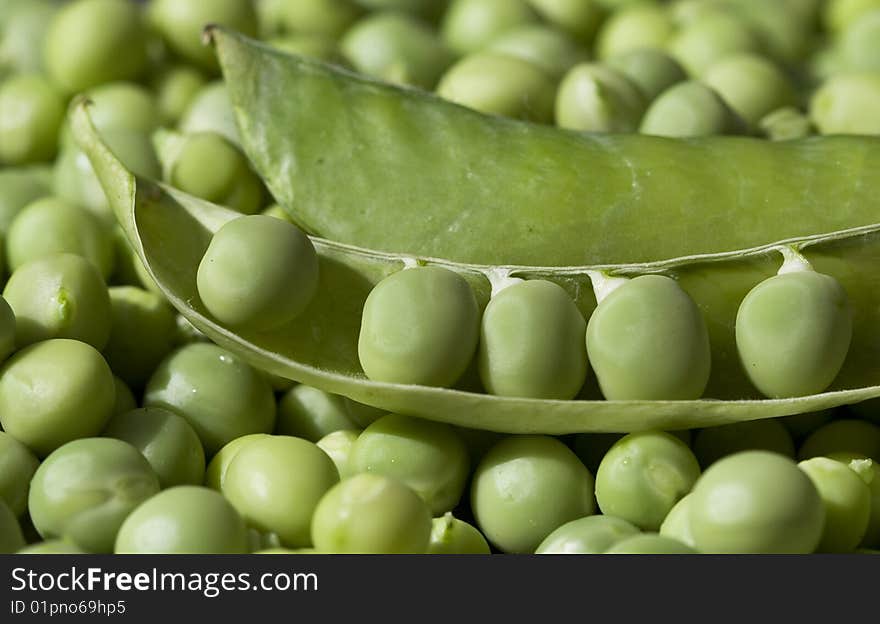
{"x": 30, "y": 116}
{"x": 651, "y": 70}
{"x": 650, "y": 544}
{"x": 640, "y": 25}
{"x": 311, "y": 414}
{"x": 215, "y": 473}
{"x": 451, "y": 536}
{"x": 468, "y": 25}
{"x": 690, "y": 109}
{"x": 591, "y": 535}
{"x": 11, "y": 538}
{"x": 843, "y": 436}
{"x": 847, "y": 502}
{"x": 17, "y": 466}
{"x": 338, "y": 446}
{"x": 714, "y": 443}
{"x": 751, "y": 85}
{"x": 551, "y": 50}
{"x": 595, "y": 98}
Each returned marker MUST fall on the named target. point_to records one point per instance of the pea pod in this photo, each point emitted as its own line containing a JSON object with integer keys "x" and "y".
{"x": 424, "y": 176}
{"x": 170, "y": 232}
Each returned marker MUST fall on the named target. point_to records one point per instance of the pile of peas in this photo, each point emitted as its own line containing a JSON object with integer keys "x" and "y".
{"x": 125, "y": 430}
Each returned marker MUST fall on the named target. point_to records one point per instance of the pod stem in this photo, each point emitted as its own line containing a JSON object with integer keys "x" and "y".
{"x": 604, "y": 284}
{"x": 500, "y": 279}
{"x": 793, "y": 261}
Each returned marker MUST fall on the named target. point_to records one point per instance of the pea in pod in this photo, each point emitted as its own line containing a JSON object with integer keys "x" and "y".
{"x": 425, "y": 176}
{"x": 170, "y": 232}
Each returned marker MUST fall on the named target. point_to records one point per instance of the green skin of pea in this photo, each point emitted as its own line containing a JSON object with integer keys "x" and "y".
{"x": 709, "y": 38}
{"x": 18, "y": 188}
{"x": 168, "y": 443}
{"x": 424, "y": 8}
{"x": 756, "y": 502}
{"x": 211, "y": 111}
{"x": 714, "y": 443}
{"x": 50, "y": 226}
{"x": 801, "y": 425}
{"x": 53, "y": 392}
{"x": 85, "y": 489}
{"x": 180, "y": 22}
{"x": 211, "y": 167}
{"x": 173, "y": 522}
{"x": 82, "y": 45}
{"x": 690, "y": 109}
{"x": 871, "y": 476}
{"x": 650, "y": 544}
{"x": 643, "y": 475}
{"x": 500, "y": 84}
{"x": 396, "y": 48}
{"x": 591, "y": 535}
{"x": 313, "y": 46}
{"x": 142, "y": 333}
{"x": 17, "y": 466}
{"x": 859, "y": 47}
{"x": 7, "y": 329}
{"x": 124, "y": 399}
{"x": 579, "y": 18}
{"x": 644, "y": 322}
{"x": 451, "y": 536}
{"x": 677, "y": 524}
{"x": 786, "y": 123}
{"x": 595, "y": 98}
{"x": 847, "y": 502}
{"x": 752, "y": 85}
{"x": 175, "y": 89}
{"x": 215, "y": 474}
{"x": 52, "y": 547}
{"x": 419, "y": 326}
{"x": 218, "y": 394}
{"x": 31, "y": 112}
{"x": 362, "y": 415}
{"x": 371, "y": 514}
{"x": 338, "y": 447}
{"x": 428, "y": 457}
{"x": 22, "y": 34}
{"x": 527, "y": 486}
{"x": 788, "y": 353}
{"x": 651, "y": 70}
{"x": 645, "y": 25}
{"x": 843, "y": 436}
{"x": 468, "y": 25}
{"x": 59, "y": 296}
{"x": 258, "y": 272}
{"x": 11, "y": 538}
{"x": 846, "y": 104}
{"x": 275, "y": 483}
{"x": 311, "y": 414}
{"x": 320, "y": 17}
{"x": 530, "y": 343}
{"x": 550, "y": 49}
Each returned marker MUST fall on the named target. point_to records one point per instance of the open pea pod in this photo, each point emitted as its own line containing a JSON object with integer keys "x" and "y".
{"x": 402, "y": 171}
{"x": 170, "y": 231}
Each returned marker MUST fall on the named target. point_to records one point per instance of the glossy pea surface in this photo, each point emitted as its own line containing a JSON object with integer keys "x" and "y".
{"x": 17, "y": 466}
{"x": 591, "y": 535}
{"x": 338, "y": 446}
{"x": 846, "y": 499}
{"x": 452, "y": 536}
{"x": 650, "y": 544}
{"x": 309, "y": 413}
{"x": 215, "y": 474}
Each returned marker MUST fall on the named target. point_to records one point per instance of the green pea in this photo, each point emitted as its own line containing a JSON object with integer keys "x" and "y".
{"x": 209, "y": 166}
{"x": 650, "y": 544}
{"x": 82, "y": 47}
{"x": 642, "y": 477}
{"x": 869, "y": 471}
{"x": 866, "y": 410}
{"x": 258, "y": 272}
{"x": 215, "y": 474}
{"x": 500, "y": 84}
{"x": 371, "y": 514}
{"x": 181, "y": 22}
{"x": 711, "y": 37}
{"x": 427, "y": 456}
{"x": 690, "y": 109}
{"x": 843, "y": 436}
{"x": 677, "y": 523}
{"x": 592, "y": 535}
{"x": 362, "y": 415}
{"x": 551, "y": 50}
{"x": 330, "y": 18}
{"x": 319, "y": 47}
{"x": 643, "y": 322}
{"x": 275, "y": 483}
{"x": 469, "y": 25}
{"x": 7, "y": 330}
{"x": 18, "y": 188}
{"x": 59, "y": 296}
{"x": 167, "y": 442}
{"x": 277, "y": 212}
{"x": 17, "y": 466}
{"x": 451, "y": 536}
{"x": 424, "y": 8}
{"x": 786, "y": 123}
{"x": 338, "y": 446}
{"x": 210, "y": 110}
{"x": 527, "y": 486}
{"x": 756, "y": 502}
{"x": 478, "y": 442}
{"x": 595, "y": 98}
{"x": 793, "y": 332}
{"x": 419, "y": 326}
{"x": 53, "y": 392}
{"x": 859, "y": 43}
{"x": 31, "y": 112}
{"x": 652, "y": 71}
{"x": 11, "y": 538}
{"x": 52, "y": 547}
{"x": 124, "y": 399}
{"x": 84, "y": 490}
{"x": 641, "y": 25}
{"x": 173, "y": 522}
{"x": 847, "y": 502}
{"x": 51, "y": 226}
{"x": 279, "y": 384}
{"x": 22, "y": 35}
{"x": 311, "y": 414}
{"x": 176, "y": 87}
{"x": 397, "y": 48}
{"x": 713, "y": 443}
{"x": 579, "y": 18}
{"x": 531, "y": 342}
{"x": 218, "y": 394}
{"x": 846, "y": 104}
{"x": 125, "y": 106}
{"x": 801, "y": 425}
{"x": 142, "y": 333}
{"x": 752, "y": 85}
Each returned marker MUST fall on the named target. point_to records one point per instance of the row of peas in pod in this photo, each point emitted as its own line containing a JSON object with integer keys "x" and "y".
{"x": 118, "y": 416}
